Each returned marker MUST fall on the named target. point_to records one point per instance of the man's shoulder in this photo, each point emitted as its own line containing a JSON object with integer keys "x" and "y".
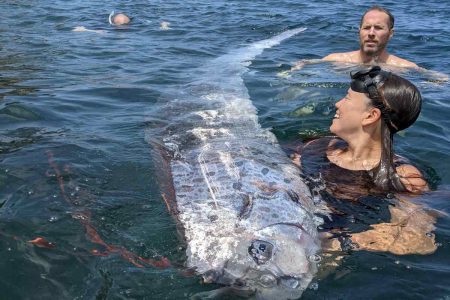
{"x": 400, "y": 62}
{"x": 342, "y": 56}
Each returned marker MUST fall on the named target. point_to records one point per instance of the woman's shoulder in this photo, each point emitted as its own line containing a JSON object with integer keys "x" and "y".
{"x": 412, "y": 178}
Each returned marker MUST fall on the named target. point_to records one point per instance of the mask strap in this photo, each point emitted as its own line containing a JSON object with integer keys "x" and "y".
{"x": 111, "y": 15}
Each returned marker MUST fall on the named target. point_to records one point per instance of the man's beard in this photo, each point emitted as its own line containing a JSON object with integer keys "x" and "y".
{"x": 373, "y": 51}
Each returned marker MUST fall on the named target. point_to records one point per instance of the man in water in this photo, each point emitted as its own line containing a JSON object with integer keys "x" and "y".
{"x": 114, "y": 19}
{"x": 375, "y": 31}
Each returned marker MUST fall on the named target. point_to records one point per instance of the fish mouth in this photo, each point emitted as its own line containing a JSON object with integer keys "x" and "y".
{"x": 267, "y": 280}
{"x": 271, "y": 281}
{"x": 269, "y": 286}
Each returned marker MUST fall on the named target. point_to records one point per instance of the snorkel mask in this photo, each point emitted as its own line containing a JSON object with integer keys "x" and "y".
{"x": 367, "y": 81}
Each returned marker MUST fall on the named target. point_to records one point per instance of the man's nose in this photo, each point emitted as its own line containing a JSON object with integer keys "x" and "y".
{"x": 371, "y": 31}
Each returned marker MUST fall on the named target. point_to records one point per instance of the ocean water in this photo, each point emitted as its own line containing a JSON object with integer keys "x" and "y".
{"x": 76, "y": 168}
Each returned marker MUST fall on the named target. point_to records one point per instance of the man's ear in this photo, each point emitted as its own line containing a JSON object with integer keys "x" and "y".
{"x": 372, "y": 116}
{"x": 391, "y": 33}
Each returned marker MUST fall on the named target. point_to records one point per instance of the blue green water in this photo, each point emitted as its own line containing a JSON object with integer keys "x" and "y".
{"x": 88, "y": 98}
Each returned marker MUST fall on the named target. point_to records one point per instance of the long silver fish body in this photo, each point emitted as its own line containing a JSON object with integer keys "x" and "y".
{"x": 247, "y": 215}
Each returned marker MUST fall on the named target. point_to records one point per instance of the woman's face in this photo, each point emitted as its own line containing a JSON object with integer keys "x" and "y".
{"x": 350, "y": 113}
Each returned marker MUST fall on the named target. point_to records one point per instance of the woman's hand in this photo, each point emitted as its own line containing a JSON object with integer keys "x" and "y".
{"x": 409, "y": 232}
{"x": 412, "y": 179}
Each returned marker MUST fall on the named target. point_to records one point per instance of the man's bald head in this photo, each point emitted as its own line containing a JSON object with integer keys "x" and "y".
{"x": 120, "y": 19}
{"x": 380, "y": 9}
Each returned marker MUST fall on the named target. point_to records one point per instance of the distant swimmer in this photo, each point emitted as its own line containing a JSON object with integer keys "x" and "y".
{"x": 375, "y": 31}
{"x": 118, "y": 19}
{"x": 114, "y": 19}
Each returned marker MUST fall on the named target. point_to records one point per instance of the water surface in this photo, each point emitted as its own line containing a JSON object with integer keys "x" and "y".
{"x": 87, "y": 98}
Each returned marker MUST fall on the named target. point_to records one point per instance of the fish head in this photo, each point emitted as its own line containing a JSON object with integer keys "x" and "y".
{"x": 277, "y": 262}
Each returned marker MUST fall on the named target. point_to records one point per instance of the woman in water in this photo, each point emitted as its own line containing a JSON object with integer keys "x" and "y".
{"x": 359, "y": 171}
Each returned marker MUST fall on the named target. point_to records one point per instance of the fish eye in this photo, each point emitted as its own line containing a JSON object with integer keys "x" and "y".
{"x": 260, "y": 251}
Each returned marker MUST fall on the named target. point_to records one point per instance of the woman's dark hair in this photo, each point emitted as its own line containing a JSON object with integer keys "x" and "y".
{"x": 400, "y": 103}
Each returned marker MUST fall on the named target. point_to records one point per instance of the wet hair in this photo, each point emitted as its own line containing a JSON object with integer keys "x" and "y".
{"x": 382, "y": 9}
{"x": 400, "y": 103}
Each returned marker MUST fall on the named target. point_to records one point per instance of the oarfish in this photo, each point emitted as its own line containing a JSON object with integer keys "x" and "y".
{"x": 246, "y": 214}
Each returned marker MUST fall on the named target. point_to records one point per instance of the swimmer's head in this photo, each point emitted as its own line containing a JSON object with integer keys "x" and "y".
{"x": 118, "y": 19}
{"x": 399, "y": 102}
{"x": 375, "y": 31}
{"x": 391, "y": 19}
